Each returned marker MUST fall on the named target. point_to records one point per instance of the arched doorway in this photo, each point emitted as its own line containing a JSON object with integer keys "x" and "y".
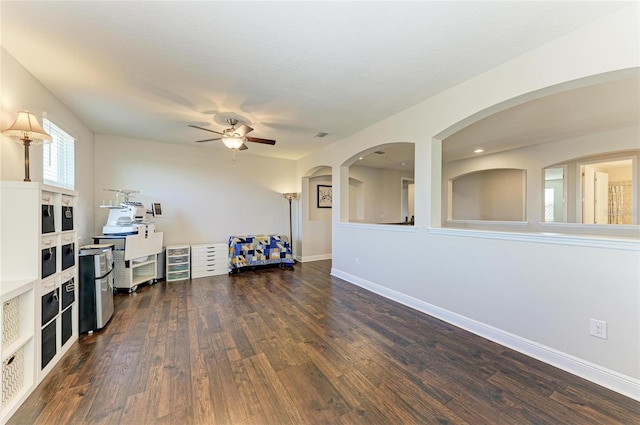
{"x": 316, "y": 204}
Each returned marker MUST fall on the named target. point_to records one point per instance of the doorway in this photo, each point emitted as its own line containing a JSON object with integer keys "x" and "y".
{"x": 408, "y": 194}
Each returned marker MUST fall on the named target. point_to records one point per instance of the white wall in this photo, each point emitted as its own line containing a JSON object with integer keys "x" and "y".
{"x": 315, "y": 213}
{"x": 20, "y": 90}
{"x": 204, "y": 197}
{"x": 534, "y": 292}
{"x": 493, "y": 194}
{"x": 382, "y": 193}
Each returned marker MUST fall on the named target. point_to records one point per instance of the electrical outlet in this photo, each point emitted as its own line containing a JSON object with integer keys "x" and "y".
{"x": 598, "y": 328}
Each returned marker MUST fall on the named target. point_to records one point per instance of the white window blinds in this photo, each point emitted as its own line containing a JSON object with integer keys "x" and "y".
{"x": 58, "y": 160}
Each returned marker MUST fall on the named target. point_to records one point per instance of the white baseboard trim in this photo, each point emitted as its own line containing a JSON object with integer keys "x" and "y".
{"x": 607, "y": 378}
{"x": 309, "y": 258}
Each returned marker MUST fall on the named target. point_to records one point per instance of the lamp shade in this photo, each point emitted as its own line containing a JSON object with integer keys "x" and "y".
{"x": 290, "y": 196}
{"x": 233, "y": 142}
{"x": 26, "y": 127}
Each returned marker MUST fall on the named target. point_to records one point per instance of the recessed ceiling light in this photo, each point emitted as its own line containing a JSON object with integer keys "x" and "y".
{"x": 479, "y": 150}
{"x": 359, "y": 158}
{"x": 404, "y": 164}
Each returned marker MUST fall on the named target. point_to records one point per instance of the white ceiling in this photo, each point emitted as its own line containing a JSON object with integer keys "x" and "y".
{"x": 288, "y": 69}
{"x": 397, "y": 157}
{"x": 572, "y": 113}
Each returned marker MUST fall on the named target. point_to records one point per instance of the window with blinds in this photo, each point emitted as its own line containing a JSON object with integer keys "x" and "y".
{"x": 58, "y": 162}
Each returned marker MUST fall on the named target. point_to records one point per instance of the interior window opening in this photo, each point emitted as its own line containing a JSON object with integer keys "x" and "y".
{"x": 598, "y": 190}
{"x": 381, "y": 185}
{"x": 606, "y": 192}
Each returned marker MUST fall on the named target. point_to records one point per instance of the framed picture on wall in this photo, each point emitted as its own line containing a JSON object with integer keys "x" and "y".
{"x": 324, "y": 196}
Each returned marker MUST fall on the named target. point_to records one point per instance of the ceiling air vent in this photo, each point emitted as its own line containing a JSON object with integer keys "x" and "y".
{"x": 320, "y": 134}
{"x": 380, "y": 152}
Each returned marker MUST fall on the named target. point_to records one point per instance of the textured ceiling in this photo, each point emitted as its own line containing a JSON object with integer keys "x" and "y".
{"x": 288, "y": 69}
{"x": 572, "y": 113}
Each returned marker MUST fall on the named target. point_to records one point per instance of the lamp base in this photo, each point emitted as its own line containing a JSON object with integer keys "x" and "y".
{"x": 26, "y": 143}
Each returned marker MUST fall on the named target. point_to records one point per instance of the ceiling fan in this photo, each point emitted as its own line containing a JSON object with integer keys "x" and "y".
{"x": 234, "y": 137}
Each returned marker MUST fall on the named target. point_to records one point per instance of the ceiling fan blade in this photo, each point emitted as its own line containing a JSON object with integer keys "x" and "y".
{"x": 242, "y": 130}
{"x": 207, "y": 140}
{"x": 205, "y": 129}
{"x": 243, "y": 147}
{"x": 257, "y": 140}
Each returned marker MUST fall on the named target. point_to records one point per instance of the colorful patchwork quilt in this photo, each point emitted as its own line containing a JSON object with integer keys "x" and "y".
{"x": 258, "y": 250}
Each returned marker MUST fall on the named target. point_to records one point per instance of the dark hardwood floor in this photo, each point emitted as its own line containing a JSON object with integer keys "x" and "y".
{"x": 299, "y": 347}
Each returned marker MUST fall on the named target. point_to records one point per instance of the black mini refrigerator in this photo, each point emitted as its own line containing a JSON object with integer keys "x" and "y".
{"x": 95, "y": 304}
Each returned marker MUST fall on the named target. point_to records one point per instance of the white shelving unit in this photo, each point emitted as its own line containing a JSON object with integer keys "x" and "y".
{"x": 17, "y": 348}
{"x": 130, "y": 274}
{"x": 56, "y": 334}
{"x": 38, "y": 264}
{"x": 209, "y": 259}
{"x": 135, "y": 258}
{"x": 178, "y": 265}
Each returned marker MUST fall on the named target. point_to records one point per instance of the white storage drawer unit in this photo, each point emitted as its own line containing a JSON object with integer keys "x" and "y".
{"x": 177, "y": 261}
{"x": 209, "y": 259}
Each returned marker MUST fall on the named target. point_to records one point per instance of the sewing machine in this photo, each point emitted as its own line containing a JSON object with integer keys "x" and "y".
{"x": 124, "y": 218}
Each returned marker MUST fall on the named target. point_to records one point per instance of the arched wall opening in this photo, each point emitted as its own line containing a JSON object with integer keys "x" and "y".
{"x": 315, "y": 232}
{"x": 380, "y": 188}
{"x": 590, "y": 117}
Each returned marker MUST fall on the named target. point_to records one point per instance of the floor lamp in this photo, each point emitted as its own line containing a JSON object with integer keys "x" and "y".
{"x": 27, "y": 128}
{"x": 290, "y": 197}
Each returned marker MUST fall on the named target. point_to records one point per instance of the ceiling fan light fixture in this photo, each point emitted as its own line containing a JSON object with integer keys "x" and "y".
{"x": 234, "y": 137}
{"x": 233, "y": 142}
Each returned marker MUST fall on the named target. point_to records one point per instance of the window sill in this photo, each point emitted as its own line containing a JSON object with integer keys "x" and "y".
{"x": 387, "y": 227}
{"x": 586, "y": 227}
{"x": 622, "y": 243}
{"x": 486, "y": 223}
